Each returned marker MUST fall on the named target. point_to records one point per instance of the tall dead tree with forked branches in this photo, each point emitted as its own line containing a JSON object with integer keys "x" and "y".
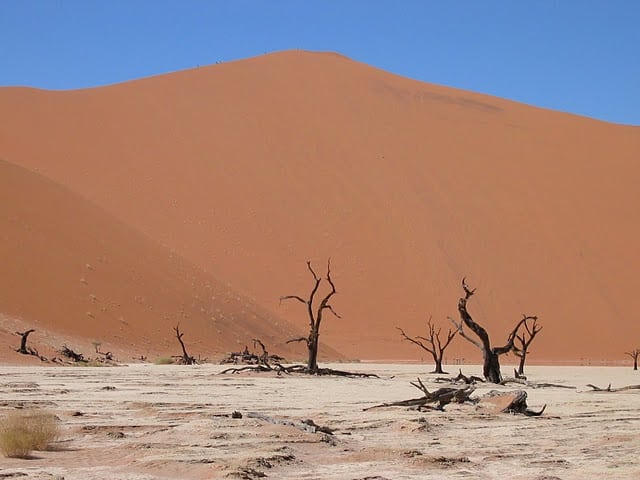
{"x": 490, "y": 355}
{"x": 432, "y": 343}
{"x": 524, "y": 339}
{"x": 315, "y": 315}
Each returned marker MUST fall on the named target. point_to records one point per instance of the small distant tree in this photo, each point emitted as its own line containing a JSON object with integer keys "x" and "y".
{"x": 315, "y": 315}
{"x": 524, "y": 339}
{"x": 186, "y": 359}
{"x": 432, "y": 343}
{"x": 634, "y": 354}
{"x": 490, "y": 355}
{"x": 23, "y": 342}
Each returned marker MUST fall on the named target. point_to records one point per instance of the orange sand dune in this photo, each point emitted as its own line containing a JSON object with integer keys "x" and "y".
{"x": 249, "y": 168}
{"x": 77, "y": 275}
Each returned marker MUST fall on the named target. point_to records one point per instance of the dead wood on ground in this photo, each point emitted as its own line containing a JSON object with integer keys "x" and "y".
{"x": 69, "y": 353}
{"x": 306, "y": 425}
{"x": 441, "y": 397}
{"x": 613, "y": 390}
{"x": 460, "y": 378}
{"x": 302, "y": 369}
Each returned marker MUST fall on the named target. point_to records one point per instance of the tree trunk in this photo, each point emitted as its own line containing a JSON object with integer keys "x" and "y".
{"x": 23, "y": 341}
{"x": 635, "y": 363}
{"x": 523, "y": 357}
{"x": 491, "y": 366}
{"x": 438, "y": 369}
{"x": 312, "y": 362}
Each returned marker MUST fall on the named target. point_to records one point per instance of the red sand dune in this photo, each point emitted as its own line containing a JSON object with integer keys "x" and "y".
{"x": 78, "y": 275}
{"x": 249, "y": 168}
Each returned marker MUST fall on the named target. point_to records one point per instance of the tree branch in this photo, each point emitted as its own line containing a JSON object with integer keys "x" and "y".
{"x": 463, "y": 334}
{"x": 512, "y": 336}
{"x": 416, "y": 342}
{"x": 324, "y": 304}
{"x": 294, "y": 297}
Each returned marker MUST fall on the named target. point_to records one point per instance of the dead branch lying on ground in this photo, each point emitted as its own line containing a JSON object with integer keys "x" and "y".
{"x": 306, "y": 425}
{"x": 76, "y": 357}
{"x": 460, "y": 378}
{"x": 249, "y": 358}
{"x": 441, "y": 396}
{"x": 524, "y": 381}
{"x": 613, "y": 390}
{"x": 302, "y": 369}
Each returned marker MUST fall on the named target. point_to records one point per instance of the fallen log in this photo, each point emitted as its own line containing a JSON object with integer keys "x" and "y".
{"x": 76, "y": 357}
{"x": 306, "y": 425}
{"x": 441, "y": 397}
{"x": 461, "y": 378}
{"x": 613, "y": 390}
{"x": 302, "y": 369}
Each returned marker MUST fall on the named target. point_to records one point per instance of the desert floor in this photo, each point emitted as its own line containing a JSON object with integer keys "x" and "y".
{"x": 174, "y": 422}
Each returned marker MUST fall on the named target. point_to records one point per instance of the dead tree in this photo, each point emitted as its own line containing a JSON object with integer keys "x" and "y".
{"x": 432, "y": 343}
{"x": 523, "y": 340}
{"x": 76, "y": 357}
{"x": 315, "y": 317}
{"x": 634, "y": 354}
{"x": 23, "y": 343}
{"x": 490, "y": 355}
{"x": 186, "y": 358}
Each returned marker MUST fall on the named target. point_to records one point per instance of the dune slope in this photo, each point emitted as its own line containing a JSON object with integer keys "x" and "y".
{"x": 77, "y": 275}
{"x": 249, "y": 168}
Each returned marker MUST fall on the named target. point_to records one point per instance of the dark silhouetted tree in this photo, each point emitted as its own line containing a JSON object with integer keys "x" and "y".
{"x": 490, "y": 355}
{"x": 315, "y": 315}
{"x": 23, "y": 342}
{"x": 186, "y": 358}
{"x": 524, "y": 339}
{"x": 432, "y": 343}
{"x": 634, "y": 354}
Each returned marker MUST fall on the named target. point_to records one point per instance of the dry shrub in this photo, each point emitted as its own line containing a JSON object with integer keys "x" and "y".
{"x": 23, "y": 431}
{"x": 164, "y": 361}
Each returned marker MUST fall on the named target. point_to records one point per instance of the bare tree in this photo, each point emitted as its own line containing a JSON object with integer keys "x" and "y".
{"x": 315, "y": 317}
{"x": 23, "y": 343}
{"x": 523, "y": 340}
{"x": 186, "y": 358}
{"x": 634, "y": 354}
{"x": 432, "y": 343}
{"x": 490, "y": 355}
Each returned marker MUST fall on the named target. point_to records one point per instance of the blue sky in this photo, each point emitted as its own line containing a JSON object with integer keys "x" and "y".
{"x": 580, "y": 56}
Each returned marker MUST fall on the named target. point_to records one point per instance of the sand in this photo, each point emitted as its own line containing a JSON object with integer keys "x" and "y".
{"x": 169, "y": 422}
{"x": 247, "y": 169}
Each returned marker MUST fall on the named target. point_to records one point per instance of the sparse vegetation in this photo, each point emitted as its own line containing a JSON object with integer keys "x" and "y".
{"x": 22, "y": 432}
{"x": 164, "y": 361}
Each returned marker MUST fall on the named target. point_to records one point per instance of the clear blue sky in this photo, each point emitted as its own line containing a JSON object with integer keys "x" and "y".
{"x": 580, "y": 56}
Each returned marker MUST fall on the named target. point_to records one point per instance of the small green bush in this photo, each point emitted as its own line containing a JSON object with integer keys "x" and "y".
{"x": 23, "y": 431}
